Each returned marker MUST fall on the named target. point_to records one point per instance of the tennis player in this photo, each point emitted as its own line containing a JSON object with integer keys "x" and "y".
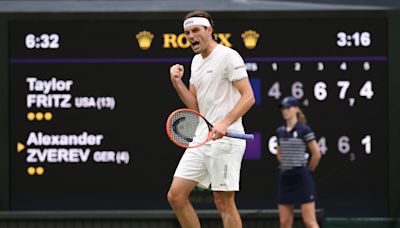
{"x": 296, "y": 185}
{"x": 219, "y": 89}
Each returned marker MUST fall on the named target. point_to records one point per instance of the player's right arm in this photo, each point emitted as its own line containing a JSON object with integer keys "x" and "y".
{"x": 188, "y": 96}
{"x": 278, "y": 153}
{"x": 278, "y": 148}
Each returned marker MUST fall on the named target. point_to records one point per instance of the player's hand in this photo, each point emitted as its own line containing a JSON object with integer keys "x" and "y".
{"x": 219, "y": 130}
{"x": 176, "y": 73}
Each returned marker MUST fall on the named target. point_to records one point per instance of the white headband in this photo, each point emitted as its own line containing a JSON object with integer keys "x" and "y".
{"x": 196, "y": 21}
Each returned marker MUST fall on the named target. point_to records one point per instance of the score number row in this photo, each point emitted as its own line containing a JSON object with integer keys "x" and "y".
{"x": 320, "y": 90}
{"x": 343, "y": 144}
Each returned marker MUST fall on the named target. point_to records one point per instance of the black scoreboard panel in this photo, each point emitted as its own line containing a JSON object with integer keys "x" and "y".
{"x": 89, "y": 100}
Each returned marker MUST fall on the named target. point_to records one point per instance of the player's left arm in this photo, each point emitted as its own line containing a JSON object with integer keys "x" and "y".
{"x": 242, "y": 106}
{"x": 315, "y": 155}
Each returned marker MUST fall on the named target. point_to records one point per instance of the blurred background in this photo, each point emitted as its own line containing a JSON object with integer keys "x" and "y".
{"x": 85, "y": 93}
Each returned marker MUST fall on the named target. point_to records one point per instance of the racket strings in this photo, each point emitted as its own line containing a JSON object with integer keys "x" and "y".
{"x": 183, "y": 128}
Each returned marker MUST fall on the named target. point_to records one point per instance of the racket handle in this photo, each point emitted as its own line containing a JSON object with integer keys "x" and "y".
{"x": 240, "y": 136}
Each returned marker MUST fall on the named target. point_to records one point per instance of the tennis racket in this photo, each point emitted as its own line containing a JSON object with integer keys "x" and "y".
{"x": 188, "y": 129}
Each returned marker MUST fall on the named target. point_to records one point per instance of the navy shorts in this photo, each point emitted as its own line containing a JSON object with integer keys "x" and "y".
{"x": 296, "y": 186}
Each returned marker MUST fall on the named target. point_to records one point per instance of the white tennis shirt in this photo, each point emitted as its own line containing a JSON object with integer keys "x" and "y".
{"x": 216, "y": 96}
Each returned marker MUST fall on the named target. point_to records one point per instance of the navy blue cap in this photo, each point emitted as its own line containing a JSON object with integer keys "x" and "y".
{"x": 288, "y": 102}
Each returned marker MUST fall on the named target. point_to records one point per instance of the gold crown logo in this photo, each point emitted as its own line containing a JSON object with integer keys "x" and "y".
{"x": 144, "y": 39}
{"x": 250, "y": 38}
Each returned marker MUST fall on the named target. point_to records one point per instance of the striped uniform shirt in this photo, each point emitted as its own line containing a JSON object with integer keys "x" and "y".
{"x": 293, "y": 145}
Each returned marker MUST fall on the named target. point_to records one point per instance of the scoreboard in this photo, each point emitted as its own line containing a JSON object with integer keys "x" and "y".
{"x": 89, "y": 99}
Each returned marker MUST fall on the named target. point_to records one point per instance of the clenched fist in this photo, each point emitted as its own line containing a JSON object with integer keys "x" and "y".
{"x": 176, "y": 73}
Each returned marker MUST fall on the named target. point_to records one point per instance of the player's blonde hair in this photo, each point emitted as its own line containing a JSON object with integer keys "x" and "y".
{"x": 301, "y": 117}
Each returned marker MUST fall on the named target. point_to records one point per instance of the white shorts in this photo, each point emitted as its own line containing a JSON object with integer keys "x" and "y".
{"x": 217, "y": 164}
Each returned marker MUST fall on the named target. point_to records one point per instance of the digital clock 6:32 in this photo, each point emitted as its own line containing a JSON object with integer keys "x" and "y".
{"x": 42, "y": 41}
